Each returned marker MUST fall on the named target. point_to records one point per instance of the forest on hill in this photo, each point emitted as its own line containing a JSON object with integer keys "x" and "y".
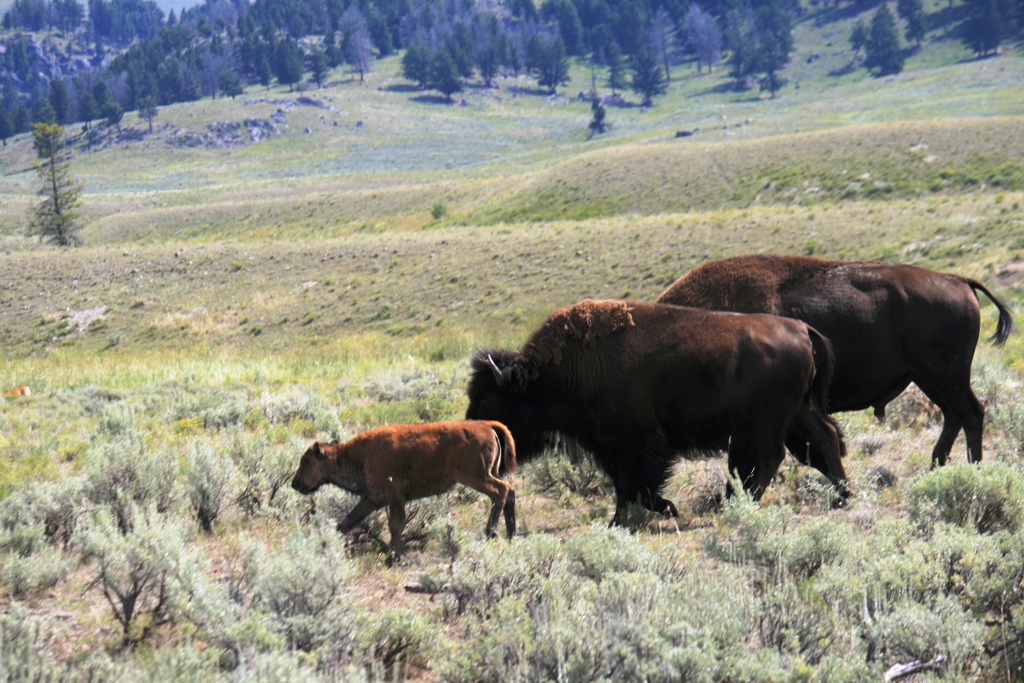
{"x": 65, "y": 61}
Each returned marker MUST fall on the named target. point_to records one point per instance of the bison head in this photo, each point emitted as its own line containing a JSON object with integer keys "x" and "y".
{"x": 499, "y": 390}
{"x": 311, "y": 474}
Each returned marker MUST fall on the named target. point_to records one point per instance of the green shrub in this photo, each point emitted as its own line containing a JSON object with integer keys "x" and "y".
{"x": 137, "y": 571}
{"x": 911, "y": 631}
{"x": 601, "y": 550}
{"x": 125, "y": 473}
{"x": 43, "y": 510}
{"x": 748, "y": 533}
{"x": 812, "y": 545}
{"x": 566, "y": 469}
{"x": 988, "y": 496}
{"x": 263, "y": 470}
{"x": 299, "y": 405}
{"x": 489, "y": 571}
{"x": 208, "y": 479}
{"x": 393, "y": 635}
{"x": 795, "y": 624}
{"x": 35, "y": 573}
{"x": 302, "y": 589}
{"x": 23, "y": 654}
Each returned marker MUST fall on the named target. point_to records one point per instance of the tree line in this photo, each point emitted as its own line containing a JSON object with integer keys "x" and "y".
{"x": 221, "y": 46}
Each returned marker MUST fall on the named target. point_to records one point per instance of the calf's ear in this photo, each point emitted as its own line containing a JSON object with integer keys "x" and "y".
{"x": 317, "y": 453}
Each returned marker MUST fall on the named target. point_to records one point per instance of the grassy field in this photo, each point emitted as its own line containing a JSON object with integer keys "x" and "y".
{"x": 236, "y": 300}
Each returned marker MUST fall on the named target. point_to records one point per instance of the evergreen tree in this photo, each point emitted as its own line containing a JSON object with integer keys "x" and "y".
{"x": 6, "y": 125}
{"x": 148, "y": 110}
{"x": 616, "y": 69}
{"x": 564, "y": 14}
{"x": 597, "y": 124}
{"x": 648, "y": 78}
{"x": 985, "y": 25}
{"x": 316, "y": 62}
{"x": 42, "y": 111}
{"x": 912, "y": 12}
{"x": 60, "y": 101}
{"x": 263, "y": 70}
{"x": 416, "y": 64}
{"x": 229, "y": 83}
{"x": 740, "y": 37}
{"x": 288, "y": 63}
{"x": 112, "y": 115}
{"x": 487, "y": 39}
{"x": 444, "y": 75}
{"x": 774, "y": 44}
{"x": 356, "y": 43}
{"x": 661, "y": 39}
{"x": 702, "y": 36}
{"x": 883, "y": 51}
{"x": 547, "y": 60}
{"x": 22, "y": 119}
{"x": 858, "y": 38}
{"x": 87, "y": 109}
{"x": 56, "y": 218}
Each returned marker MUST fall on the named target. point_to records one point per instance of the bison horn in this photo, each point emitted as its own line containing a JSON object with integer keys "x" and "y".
{"x": 499, "y": 376}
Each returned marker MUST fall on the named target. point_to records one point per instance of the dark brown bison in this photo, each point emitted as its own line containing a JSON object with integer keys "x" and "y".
{"x": 637, "y": 384}
{"x": 889, "y": 325}
{"x": 392, "y": 465}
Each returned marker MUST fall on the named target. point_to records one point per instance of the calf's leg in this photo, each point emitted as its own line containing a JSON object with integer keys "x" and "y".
{"x": 360, "y": 512}
{"x": 396, "y": 524}
{"x": 510, "y": 514}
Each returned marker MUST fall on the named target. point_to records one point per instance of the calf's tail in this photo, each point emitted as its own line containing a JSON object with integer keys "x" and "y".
{"x": 506, "y": 461}
{"x": 1005, "y": 325}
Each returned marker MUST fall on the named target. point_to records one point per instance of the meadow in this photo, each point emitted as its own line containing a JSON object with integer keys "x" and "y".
{"x": 234, "y": 302}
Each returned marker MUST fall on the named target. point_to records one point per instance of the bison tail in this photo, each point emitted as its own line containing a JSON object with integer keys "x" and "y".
{"x": 506, "y": 462}
{"x": 1005, "y": 325}
{"x": 824, "y": 367}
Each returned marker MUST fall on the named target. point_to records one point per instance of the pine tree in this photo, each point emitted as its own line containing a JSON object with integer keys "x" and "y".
{"x": 55, "y": 218}
{"x": 6, "y": 125}
{"x": 597, "y": 124}
{"x": 548, "y": 61}
{"x": 444, "y": 75}
{"x": 148, "y": 110}
{"x": 774, "y": 44}
{"x": 702, "y": 36}
{"x": 984, "y": 25}
{"x": 288, "y": 63}
{"x": 648, "y": 78}
{"x": 883, "y": 47}
{"x": 616, "y": 69}
{"x": 912, "y": 12}
{"x": 858, "y": 38}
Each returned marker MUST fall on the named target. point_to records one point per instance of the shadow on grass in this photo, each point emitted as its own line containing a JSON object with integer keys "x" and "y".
{"x": 433, "y": 99}
{"x": 401, "y": 87}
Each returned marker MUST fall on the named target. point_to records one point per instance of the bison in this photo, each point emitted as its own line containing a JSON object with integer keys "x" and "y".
{"x": 637, "y": 384}
{"x": 889, "y": 325}
{"x": 392, "y": 465}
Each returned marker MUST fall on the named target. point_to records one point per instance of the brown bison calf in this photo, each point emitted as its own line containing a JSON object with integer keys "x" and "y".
{"x": 391, "y": 465}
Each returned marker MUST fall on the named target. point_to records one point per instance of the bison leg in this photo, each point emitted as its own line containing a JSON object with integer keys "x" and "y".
{"x": 755, "y": 453}
{"x": 396, "y": 524}
{"x": 960, "y": 410}
{"x": 360, "y": 512}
